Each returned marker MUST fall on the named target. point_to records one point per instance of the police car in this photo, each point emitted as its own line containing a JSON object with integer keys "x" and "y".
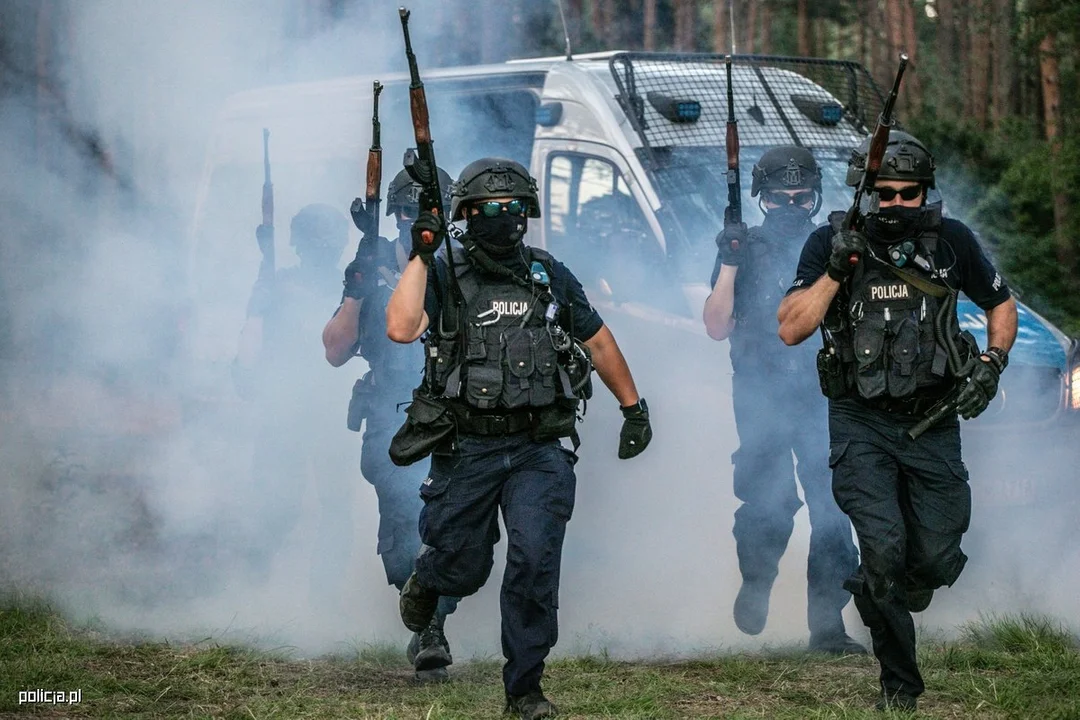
{"x": 629, "y": 152}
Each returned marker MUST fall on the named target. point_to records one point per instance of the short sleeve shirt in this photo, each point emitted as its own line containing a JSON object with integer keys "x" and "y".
{"x": 959, "y": 261}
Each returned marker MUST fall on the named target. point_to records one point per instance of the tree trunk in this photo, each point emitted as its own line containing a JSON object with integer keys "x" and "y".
{"x": 750, "y": 26}
{"x": 649, "y": 31}
{"x": 1050, "y": 75}
{"x": 947, "y": 66}
{"x": 861, "y": 7}
{"x": 766, "y": 27}
{"x": 980, "y": 62}
{"x": 684, "y": 25}
{"x": 720, "y": 24}
{"x": 803, "y": 24}
{"x": 911, "y": 78}
{"x": 964, "y": 59}
{"x": 1003, "y": 66}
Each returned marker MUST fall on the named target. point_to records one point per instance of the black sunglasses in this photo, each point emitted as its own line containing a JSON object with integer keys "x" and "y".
{"x": 888, "y": 194}
{"x": 492, "y": 208}
{"x": 777, "y": 197}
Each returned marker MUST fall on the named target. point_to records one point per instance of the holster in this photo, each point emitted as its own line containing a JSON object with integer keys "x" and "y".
{"x": 360, "y": 402}
{"x": 428, "y": 424}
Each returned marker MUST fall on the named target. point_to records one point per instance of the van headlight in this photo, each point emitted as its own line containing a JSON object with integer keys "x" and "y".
{"x": 1072, "y": 392}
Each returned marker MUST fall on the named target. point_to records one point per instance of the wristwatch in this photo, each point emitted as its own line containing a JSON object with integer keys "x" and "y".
{"x": 997, "y": 357}
{"x": 636, "y": 410}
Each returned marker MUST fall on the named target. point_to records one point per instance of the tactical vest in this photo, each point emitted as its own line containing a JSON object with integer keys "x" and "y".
{"x": 885, "y": 333}
{"x": 761, "y": 283}
{"x": 509, "y": 352}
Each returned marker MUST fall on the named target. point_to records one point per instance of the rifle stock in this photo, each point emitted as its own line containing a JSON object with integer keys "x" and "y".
{"x": 879, "y": 141}
{"x": 421, "y": 165}
{"x": 733, "y": 212}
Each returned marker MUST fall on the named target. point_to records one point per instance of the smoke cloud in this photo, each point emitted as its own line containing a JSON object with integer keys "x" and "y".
{"x": 128, "y": 248}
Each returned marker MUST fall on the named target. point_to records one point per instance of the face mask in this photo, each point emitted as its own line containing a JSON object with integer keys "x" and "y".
{"x": 787, "y": 222}
{"x": 894, "y": 223}
{"x": 499, "y": 235}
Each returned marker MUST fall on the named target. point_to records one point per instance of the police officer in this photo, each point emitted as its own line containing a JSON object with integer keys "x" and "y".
{"x": 280, "y": 371}
{"x": 885, "y": 298}
{"x": 511, "y": 335}
{"x": 358, "y": 328}
{"x": 778, "y": 409}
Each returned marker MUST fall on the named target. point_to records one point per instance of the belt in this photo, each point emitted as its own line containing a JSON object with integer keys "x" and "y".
{"x": 902, "y": 406}
{"x": 475, "y": 424}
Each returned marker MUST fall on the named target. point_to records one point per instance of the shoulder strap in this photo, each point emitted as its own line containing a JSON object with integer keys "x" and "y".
{"x": 922, "y": 284}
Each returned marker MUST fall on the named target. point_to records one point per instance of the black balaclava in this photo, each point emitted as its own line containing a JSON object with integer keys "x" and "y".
{"x": 499, "y": 236}
{"x": 787, "y": 221}
{"x": 893, "y": 223}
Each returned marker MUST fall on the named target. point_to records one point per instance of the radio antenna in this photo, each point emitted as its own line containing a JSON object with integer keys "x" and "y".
{"x": 731, "y": 23}
{"x": 566, "y": 31}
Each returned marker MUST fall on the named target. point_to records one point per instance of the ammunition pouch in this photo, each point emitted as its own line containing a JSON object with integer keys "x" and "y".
{"x": 428, "y": 424}
{"x": 556, "y": 421}
{"x": 831, "y": 373}
{"x": 360, "y": 402}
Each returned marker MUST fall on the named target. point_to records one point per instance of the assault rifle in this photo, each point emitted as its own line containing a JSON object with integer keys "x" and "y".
{"x": 733, "y": 212}
{"x": 943, "y": 409}
{"x": 365, "y": 213}
{"x": 420, "y": 164}
{"x": 853, "y": 220}
{"x": 265, "y": 232}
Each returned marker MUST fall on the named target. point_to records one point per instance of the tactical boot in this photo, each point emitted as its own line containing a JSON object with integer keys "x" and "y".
{"x": 433, "y": 651}
{"x": 417, "y": 604}
{"x": 898, "y": 700}
{"x": 530, "y": 706}
{"x": 919, "y": 600}
{"x": 835, "y": 644}
{"x": 752, "y": 606}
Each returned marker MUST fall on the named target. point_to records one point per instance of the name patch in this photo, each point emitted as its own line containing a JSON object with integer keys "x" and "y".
{"x": 894, "y": 291}
{"x": 506, "y": 307}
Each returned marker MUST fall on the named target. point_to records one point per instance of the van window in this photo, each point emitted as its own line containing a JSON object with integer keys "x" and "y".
{"x": 596, "y": 227}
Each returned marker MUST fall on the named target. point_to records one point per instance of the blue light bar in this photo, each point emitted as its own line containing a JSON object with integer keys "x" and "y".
{"x": 549, "y": 114}
{"x": 677, "y": 110}
{"x": 831, "y": 114}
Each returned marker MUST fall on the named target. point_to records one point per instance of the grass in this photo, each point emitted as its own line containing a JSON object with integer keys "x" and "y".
{"x": 1000, "y": 667}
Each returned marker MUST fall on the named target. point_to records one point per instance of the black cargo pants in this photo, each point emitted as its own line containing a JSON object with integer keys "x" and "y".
{"x": 910, "y": 504}
{"x": 533, "y": 484}
{"x": 775, "y": 417}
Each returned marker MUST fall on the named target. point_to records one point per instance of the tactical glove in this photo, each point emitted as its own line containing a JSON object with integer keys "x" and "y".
{"x": 361, "y": 275}
{"x": 845, "y": 244}
{"x": 264, "y": 235}
{"x": 981, "y": 387}
{"x": 730, "y": 244}
{"x": 636, "y": 431}
{"x": 427, "y": 234}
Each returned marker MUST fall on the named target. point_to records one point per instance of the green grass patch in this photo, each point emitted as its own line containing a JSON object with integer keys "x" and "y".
{"x": 1006, "y": 667}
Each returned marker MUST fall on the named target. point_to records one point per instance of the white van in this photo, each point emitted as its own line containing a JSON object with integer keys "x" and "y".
{"x": 629, "y": 152}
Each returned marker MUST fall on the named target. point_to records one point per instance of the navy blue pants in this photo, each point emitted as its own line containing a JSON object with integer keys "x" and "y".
{"x": 910, "y": 504}
{"x": 533, "y": 484}
{"x": 399, "y": 505}
{"x": 775, "y": 419}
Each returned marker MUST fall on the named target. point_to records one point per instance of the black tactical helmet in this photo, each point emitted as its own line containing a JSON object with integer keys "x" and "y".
{"x": 493, "y": 178}
{"x": 320, "y": 228}
{"x": 785, "y": 168}
{"x": 404, "y": 193}
{"x": 905, "y": 159}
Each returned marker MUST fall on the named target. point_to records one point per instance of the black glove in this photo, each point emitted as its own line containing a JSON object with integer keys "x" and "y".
{"x": 981, "y": 387}
{"x": 434, "y": 227}
{"x": 845, "y": 244}
{"x": 636, "y": 431}
{"x": 731, "y": 244}
{"x": 361, "y": 275}
{"x": 264, "y": 235}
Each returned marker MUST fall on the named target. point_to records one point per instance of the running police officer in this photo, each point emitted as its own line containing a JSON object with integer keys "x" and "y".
{"x": 281, "y": 372}
{"x": 508, "y": 359}
{"x": 358, "y": 328}
{"x": 892, "y": 352}
{"x": 778, "y": 409}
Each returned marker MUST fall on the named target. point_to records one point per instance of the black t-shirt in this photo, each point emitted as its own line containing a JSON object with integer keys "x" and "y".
{"x": 576, "y": 313}
{"x": 959, "y": 262}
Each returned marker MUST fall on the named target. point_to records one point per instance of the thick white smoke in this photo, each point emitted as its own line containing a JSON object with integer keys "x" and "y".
{"x": 131, "y": 501}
